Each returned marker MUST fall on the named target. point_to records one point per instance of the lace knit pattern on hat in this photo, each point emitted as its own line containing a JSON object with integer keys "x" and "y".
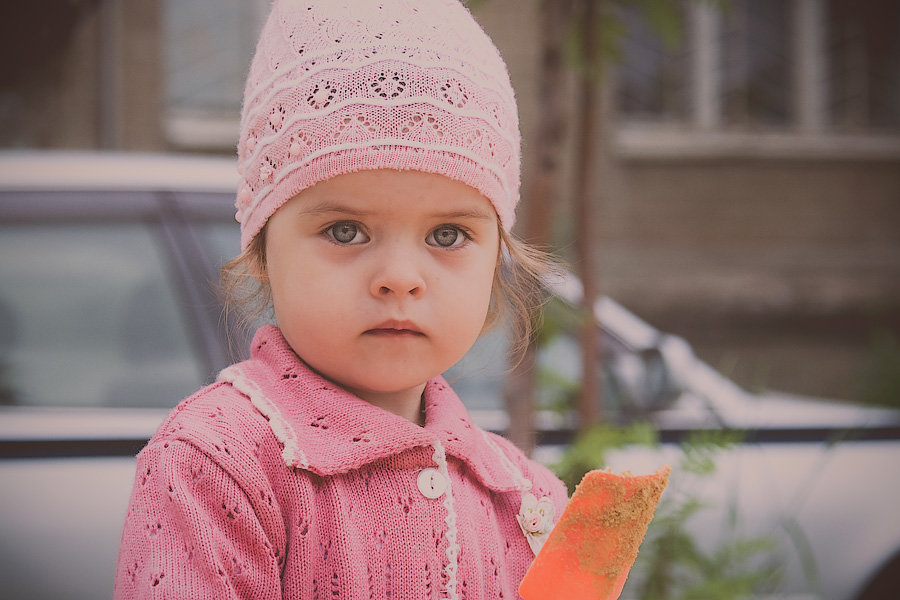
{"x": 344, "y": 85}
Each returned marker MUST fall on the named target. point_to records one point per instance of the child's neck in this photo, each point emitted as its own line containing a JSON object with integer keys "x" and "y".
{"x": 408, "y": 404}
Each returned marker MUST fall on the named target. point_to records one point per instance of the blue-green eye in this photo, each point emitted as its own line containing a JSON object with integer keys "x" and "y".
{"x": 347, "y": 233}
{"x": 446, "y": 236}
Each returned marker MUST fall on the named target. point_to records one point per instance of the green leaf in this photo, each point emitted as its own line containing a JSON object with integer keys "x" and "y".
{"x": 701, "y": 447}
{"x": 666, "y": 18}
{"x": 589, "y": 449}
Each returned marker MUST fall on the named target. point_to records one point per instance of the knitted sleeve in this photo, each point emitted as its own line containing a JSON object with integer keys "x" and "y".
{"x": 192, "y": 531}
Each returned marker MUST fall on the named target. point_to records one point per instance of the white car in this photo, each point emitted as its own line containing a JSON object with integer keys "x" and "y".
{"x": 803, "y": 498}
{"x": 109, "y": 316}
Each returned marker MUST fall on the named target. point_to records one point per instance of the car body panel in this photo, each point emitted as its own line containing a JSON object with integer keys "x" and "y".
{"x": 816, "y": 500}
{"x": 61, "y": 525}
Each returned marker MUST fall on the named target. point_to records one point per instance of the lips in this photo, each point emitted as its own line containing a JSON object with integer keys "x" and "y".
{"x": 396, "y": 328}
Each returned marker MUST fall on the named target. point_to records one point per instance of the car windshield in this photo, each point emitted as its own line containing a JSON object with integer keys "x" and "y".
{"x": 89, "y": 317}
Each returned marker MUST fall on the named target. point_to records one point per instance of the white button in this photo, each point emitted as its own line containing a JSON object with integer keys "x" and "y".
{"x": 431, "y": 483}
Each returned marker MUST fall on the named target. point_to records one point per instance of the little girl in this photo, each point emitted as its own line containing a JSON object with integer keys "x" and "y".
{"x": 379, "y": 154}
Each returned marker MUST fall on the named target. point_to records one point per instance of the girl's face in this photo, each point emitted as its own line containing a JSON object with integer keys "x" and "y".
{"x": 382, "y": 279}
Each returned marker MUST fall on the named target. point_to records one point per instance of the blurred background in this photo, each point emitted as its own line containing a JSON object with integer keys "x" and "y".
{"x": 722, "y": 177}
{"x": 746, "y": 194}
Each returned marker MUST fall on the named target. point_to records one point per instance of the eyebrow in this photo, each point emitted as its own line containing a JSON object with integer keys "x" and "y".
{"x": 472, "y": 213}
{"x": 328, "y": 206}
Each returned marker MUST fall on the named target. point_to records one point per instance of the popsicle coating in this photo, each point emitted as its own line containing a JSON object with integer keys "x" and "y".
{"x": 592, "y": 547}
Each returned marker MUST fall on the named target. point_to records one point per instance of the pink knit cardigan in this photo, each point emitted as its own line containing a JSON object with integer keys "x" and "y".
{"x": 275, "y": 483}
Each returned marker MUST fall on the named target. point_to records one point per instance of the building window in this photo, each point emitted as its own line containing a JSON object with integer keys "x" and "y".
{"x": 764, "y": 76}
{"x": 208, "y": 47}
{"x": 754, "y": 64}
{"x": 863, "y": 51}
{"x": 652, "y": 77}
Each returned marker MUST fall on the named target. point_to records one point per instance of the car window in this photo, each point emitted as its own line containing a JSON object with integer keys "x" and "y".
{"x": 223, "y": 240}
{"x": 89, "y": 317}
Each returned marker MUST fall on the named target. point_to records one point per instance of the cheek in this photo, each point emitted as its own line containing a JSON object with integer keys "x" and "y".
{"x": 300, "y": 290}
{"x": 472, "y": 298}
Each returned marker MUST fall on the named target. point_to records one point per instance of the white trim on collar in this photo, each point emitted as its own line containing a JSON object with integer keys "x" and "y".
{"x": 291, "y": 453}
{"x": 511, "y": 468}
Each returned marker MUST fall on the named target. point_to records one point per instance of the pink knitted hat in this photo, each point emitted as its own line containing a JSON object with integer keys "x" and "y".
{"x": 338, "y": 86}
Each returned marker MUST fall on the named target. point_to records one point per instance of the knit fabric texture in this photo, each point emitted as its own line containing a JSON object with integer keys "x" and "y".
{"x": 275, "y": 483}
{"x": 338, "y": 86}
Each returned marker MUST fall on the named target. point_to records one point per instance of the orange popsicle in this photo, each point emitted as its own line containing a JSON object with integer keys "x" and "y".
{"x": 591, "y": 549}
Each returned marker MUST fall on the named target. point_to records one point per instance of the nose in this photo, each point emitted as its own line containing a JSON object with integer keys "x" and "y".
{"x": 398, "y": 273}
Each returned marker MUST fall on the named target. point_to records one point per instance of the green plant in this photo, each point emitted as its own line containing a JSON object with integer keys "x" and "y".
{"x": 880, "y": 379}
{"x": 589, "y": 449}
{"x": 673, "y": 564}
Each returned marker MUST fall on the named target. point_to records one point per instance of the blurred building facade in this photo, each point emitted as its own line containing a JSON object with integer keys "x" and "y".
{"x": 749, "y": 192}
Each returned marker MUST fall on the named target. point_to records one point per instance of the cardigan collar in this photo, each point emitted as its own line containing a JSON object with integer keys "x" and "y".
{"x": 327, "y": 430}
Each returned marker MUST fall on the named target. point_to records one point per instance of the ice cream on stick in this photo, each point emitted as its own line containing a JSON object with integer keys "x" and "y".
{"x": 592, "y": 547}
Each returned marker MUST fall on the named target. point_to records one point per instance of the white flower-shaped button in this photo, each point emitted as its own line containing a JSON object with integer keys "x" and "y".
{"x": 536, "y": 520}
